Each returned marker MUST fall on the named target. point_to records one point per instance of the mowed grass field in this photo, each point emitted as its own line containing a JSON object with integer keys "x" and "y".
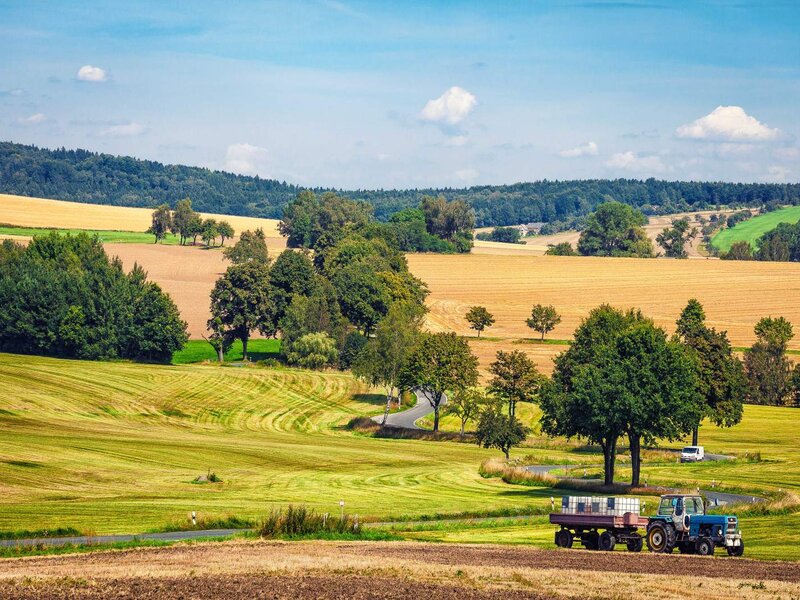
{"x": 735, "y": 294}
{"x": 750, "y": 230}
{"x": 115, "y": 447}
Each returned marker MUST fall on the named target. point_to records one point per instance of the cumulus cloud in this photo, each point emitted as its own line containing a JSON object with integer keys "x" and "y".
{"x": 125, "y": 130}
{"x": 589, "y": 149}
{"x": 728, "y": 124}
{"x": 467, "y": 175}
{"x": 92, "y": 74}
{"x": 630, "y": 161}
{"x": 245, "y": 159}
{"x": 35, "y": 119}
{"x": 450, "y": 108}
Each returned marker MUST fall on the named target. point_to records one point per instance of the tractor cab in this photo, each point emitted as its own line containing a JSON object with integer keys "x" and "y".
{"x": 680, "y": 509}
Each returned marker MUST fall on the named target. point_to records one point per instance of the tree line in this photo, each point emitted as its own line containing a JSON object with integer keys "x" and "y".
{"x": 84, "y": 176}
{"x": 187, "y": 223}
{"x": 63, "y": 296}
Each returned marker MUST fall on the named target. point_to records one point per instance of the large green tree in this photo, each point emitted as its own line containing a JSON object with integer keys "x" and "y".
{"x": 721, "y": 380}
{"x": 292, "y": 273}
{"x": 382, "y": 360}
{"x": 768, "y": 370}
{"x": 543, "y": 319}
{"x": 674, "y": 239}
{"x": 182, "y": 217}
{"x": 479, "y": 318}
{"x": 250, "y": 247}
{"x": 615, "y": 229}
{"x": 497, "y": 430}
{"x": 439, "y": 363}
{"x": 241, "y": 301}
{"x": 515, "y": 379}
{"x": 308, "y": 217}
{"x": 467, "y": 404}
{"x": 161, "y": 222}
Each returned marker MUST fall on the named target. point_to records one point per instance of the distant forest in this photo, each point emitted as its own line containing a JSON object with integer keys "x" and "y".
{"x": 83, "y": 176}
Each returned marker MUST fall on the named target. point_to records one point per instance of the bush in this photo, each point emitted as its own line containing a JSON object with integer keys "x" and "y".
{"x": 299, "y": 521}
{"x": 313, "y": 351}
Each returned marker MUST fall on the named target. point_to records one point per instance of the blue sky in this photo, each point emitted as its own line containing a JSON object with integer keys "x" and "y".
{"x": 412, "y": 94}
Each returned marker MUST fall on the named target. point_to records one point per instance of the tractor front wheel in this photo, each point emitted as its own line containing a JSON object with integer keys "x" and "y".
{"x": 736, "y": 550}
{"x": 704, "y": 546}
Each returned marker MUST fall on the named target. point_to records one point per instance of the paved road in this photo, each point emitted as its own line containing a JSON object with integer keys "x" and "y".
{"x": 407, "y": 419}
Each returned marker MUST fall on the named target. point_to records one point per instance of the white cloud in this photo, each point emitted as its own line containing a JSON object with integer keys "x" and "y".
{"x": 728, "y": 124}
{"x": 788, "y": 153}
{"x": 456, "y": 140}
{"x": 450, "y": 108}
{"x": 777, "y": 174}
{"x": 126, "y": 130}
{"x": 630, "y": 161}
{"x": 467, "y": 175}
{"x": 589, "y": 149}
{"x": 245, "y": 159}
{"x": 36, "y": 119}
{"x": 92, "y": 74}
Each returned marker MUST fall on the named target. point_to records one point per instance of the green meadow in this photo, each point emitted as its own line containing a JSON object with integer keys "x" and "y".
{"x": 116, "y": 237}
{"x": 752, "y": 229}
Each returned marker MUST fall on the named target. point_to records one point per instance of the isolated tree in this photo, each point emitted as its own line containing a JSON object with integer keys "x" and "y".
{"x": 291, "y": 273}
{"x": 573, "y": 402}
{"x": 385, "y": 355}
{"x": 313, "y": 351}
{"x": 479, "y": 318}
{"x": 674, "y": 239}
{"x": 439, "y": 363}
{"x": 769, "y": 371}
{"x": 543, "y": 319}
{"x": 721, "y": 383}
{"x": 225, "y": 231}
{"x": 496, "y": 430}
{"x": 209, "y": 232}
{"x": 466, "y": 404}
{"x": 241, "y": 301}
{"x": 181, "y": 218}
{"x": 161, "y": 222}
{"x": 650, "y": 383}
{"x": 250, "y": 247}
{"x": 615, "y": 229}
{"x": 739, "y": 251}
{"x": 561, "y": 249}
{"x": 515, "y": 379}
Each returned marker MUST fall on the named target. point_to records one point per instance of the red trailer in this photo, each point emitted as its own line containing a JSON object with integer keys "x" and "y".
{"x": 598, "y": 531}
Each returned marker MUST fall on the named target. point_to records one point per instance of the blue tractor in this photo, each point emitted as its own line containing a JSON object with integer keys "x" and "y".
{"x": 682, "y": 523}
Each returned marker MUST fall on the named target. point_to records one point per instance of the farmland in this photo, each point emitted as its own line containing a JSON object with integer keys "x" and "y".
{"x": 380, "y": 570}
{"x": 750, "y": 230}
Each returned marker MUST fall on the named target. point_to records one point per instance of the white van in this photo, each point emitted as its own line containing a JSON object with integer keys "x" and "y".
{"x": 693, "y": 454}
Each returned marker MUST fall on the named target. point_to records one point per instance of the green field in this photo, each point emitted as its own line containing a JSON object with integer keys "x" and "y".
{"x": 196, "y": 351}
{"x": 752, "y": 229}
{"x": 116, "y": 237}
{"x": 115, "y": 447}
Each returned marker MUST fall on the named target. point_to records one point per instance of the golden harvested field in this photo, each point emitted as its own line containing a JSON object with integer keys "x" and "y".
{"x": 735, "y": 294}
{"x": 340, "y": 570}
{"x": 39, "y": 212}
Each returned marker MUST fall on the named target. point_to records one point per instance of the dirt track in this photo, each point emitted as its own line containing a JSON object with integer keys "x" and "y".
{"x": 388, "y": 570}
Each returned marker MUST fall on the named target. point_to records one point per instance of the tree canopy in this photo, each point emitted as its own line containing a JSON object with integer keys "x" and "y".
{"x": 615, "y": 229}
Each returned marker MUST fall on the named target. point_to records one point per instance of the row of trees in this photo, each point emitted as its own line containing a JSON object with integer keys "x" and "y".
{"x": 543, "y": 319}
{"x": 187, "y": 223}
{"x": 316, "y": 222}
{"x": 62, "y": 296}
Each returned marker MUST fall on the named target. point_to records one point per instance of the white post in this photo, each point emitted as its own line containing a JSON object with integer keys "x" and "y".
{"x": 341, "y": 506}
{"x": 194, "y": 518}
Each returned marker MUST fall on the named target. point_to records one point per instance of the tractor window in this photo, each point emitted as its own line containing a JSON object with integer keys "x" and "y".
{"x": 667, "y": 506}
{"x": 694, "y": 506}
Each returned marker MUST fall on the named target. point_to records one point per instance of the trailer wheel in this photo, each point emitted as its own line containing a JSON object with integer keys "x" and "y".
{"x": 736, "y": 550}
{"x": 607, "y": 541}
{"x": 591, "y": 540}
{"x": 564, "y": 538}
{"x": 635, "y": 545}
{"x": 704, "y": 546}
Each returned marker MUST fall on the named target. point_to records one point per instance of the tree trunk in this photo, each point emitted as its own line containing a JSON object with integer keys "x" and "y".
{"x": 609, "y": 459}
{"x": 244, "y": 347}
{"x": 542, "y": 335}
{"x": 695, "y": 434}
{"x": 479, "y": 334}
{"x": 436, "y": 419}
{"x": 220, "y": 354}
{"x": 463, "y": 424}
{"x": 512, "y": 408}
{"x": 507, "y": 452}
{"x": 636, "y": 457}
{"x": 388, "y": 407}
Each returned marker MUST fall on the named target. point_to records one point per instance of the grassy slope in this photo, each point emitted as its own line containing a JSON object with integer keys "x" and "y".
{"x": 196, "y": 351}
{"x": 117, "y": 237}
{"x": 752, "y": 229}
{"x": 114, "y": 447}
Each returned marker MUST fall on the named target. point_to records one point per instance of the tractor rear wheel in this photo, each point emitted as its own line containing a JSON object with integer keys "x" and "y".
{"x": 736, "y": 550}
{"x": 704, "y": 546}
{"x": 564, "y": 539}
{"x": 607, "y": 541}
{"x": 635, "y": 545}
{"x": 657, "y": 538}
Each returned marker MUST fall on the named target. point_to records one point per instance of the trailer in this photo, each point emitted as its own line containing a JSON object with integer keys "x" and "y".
{"x": 597, "y": 531}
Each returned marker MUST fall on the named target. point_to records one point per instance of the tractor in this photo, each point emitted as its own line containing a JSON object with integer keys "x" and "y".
{"x": 682, "y": 523}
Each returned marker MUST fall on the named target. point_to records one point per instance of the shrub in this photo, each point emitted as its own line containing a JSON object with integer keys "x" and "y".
{"x": 313, "y": 351}
{"x": 299, "y": 521}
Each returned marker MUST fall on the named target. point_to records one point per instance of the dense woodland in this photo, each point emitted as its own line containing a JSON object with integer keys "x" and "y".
{"x": 83, "y": 176}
